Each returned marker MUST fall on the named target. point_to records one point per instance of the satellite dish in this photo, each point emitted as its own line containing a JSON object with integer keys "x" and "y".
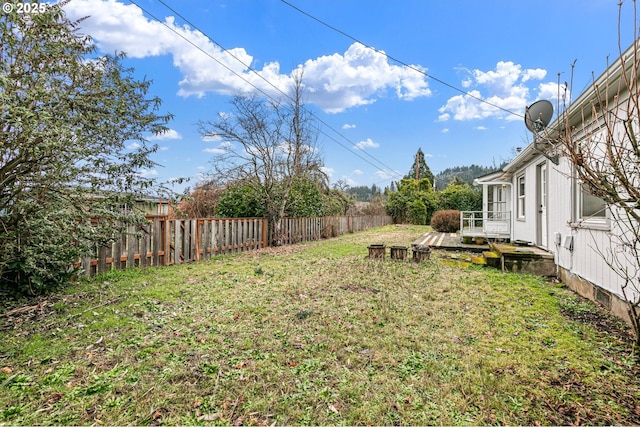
{"x": 538, "y": 115}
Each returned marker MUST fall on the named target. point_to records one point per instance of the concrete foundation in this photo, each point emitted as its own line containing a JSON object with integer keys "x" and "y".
{"x": 616, "y": 305}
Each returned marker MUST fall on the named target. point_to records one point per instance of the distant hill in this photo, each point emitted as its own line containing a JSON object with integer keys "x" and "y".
{"x": 362, "y": 193}
{"x": 465, "y": 173}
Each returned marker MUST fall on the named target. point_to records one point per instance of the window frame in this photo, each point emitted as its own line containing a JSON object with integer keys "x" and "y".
{"x": 521, "y": 193}
{"x": 599, "y": 222}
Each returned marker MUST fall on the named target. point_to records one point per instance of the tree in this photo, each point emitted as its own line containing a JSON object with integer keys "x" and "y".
{"x": 406, "y": 204}
{"x": 240, "y": 200}
{"x": 269, "y": 145}
{"x": 203, "y": 201}
{"x": 460, "y": 196}
{"x": 419, "y": 169}
{"x": 601, "y": 143}
{"x": 66, "y": 116}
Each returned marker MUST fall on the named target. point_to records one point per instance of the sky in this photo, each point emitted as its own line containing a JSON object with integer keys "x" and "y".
{"x": 383, "y": 77}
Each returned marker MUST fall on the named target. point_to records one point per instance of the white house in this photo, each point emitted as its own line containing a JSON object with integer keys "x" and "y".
{"x": 539, "y": 196}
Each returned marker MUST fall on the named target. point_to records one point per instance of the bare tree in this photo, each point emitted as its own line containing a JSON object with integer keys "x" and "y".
{"x": 202, "y": 201}
{"x": 601, "y": 143}
{"x": 267, "y": 145}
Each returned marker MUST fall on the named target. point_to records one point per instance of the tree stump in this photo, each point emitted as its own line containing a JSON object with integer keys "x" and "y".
{"x": 399, "y": 252}
{"x": 377, "y": 251}
{"x": 421, "y": 253}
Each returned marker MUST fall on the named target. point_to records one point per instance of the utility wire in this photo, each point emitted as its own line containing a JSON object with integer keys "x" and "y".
{"x": 442, "y": 82}
{"x": 380, "y": 163}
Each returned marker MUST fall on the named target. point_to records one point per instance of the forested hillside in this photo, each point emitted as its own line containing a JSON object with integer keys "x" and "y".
{"x": 465, "y": 173}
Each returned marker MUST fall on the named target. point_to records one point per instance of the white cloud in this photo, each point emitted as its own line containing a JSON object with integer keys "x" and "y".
{"x": 384, "y": 174}
{"x": 445, "y": 130}
{"x": 223, "y": 148}
{"x": 170, "y": 134}
{"x": 338, "y": 82}
{"x": 163, "y": 148}
{"x": 367, "y": 143}
{"x": 357, "y": 172}
{"x": 349, "y": 181}
{"x": 333, "y": 82}
{"x": 145, "y": 173}
{"x": 327, "y": 171}
{"x": 211, "y": 138}
{"x": 494, "y": 93}
{"x": 348, "y": 126}
{"x": 215, "y": 150}
{"x": 481, "y": 128}
{"x": 134, "y": 146}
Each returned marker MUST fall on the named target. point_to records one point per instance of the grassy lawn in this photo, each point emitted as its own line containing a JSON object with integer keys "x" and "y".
{"x": 317, "y": 334}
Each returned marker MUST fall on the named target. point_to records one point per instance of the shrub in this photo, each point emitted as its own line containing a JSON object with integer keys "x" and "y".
{"x": 417, "y": 212}
{"x": 447, "y": 221}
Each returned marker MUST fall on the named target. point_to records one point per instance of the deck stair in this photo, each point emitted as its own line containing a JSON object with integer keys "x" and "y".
{"x": 507, "y": 257}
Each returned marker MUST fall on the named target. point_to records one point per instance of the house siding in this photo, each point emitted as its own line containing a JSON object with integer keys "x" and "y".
{"x": 585, "y": 260}
{"x": 525, "y": 228}
{"x": 585, "y": 267}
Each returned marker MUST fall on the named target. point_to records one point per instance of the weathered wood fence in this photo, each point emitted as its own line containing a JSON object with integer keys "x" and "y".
{"x": 296, "y": 230}
{"x": 164, "y": 241}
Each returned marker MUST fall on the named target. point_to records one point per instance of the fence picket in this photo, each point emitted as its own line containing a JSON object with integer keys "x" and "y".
{"x": 164, "y": 241}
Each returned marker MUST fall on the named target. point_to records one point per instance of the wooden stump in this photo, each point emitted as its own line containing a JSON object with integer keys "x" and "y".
{"x": 377, "y": 251}
{"x": 399, "y": 252}
{"x": 421, "y": 253}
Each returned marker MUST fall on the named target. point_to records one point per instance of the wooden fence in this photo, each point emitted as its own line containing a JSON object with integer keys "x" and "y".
{"x": 165, "y": 241}
{"x": 296, "y": 230}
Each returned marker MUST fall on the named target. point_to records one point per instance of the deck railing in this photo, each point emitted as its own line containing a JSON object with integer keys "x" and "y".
{"x": 489, "y": 224}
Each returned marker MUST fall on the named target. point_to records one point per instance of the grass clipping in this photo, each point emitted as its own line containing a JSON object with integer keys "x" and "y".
{"x": 316, "y": 334}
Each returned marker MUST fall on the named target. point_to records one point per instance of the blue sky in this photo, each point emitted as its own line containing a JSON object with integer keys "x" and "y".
{"x": 507, "y": 53}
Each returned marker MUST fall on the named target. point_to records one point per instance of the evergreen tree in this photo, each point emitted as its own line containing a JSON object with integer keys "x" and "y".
{"x": 420, "y": 170}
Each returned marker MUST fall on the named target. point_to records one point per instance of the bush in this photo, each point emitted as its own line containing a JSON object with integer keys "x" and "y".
{"x": 461, "y": 197}
{"x": 447, "y": 221}
{"x": 417, "y": 212}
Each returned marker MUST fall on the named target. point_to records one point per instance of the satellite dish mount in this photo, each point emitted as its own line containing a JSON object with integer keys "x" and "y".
{"x": 537, "y": 117}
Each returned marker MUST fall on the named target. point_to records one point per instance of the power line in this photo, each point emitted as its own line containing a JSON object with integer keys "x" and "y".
{"x": 248, "y": 67}
{"x": 442, "y": 82}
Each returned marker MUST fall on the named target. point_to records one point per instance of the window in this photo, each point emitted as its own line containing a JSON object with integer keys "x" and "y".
{"x": 591, "y": 209}
{"x": 496, "y": 205}
{"x": 521, "y": 194}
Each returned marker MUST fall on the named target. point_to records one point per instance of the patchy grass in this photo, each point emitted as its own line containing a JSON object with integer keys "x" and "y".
{"x": 317, "y": 334}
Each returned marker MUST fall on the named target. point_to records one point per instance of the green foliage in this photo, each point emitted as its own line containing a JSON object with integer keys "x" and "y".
{"x": 399, "y": 203}
{"x": 461, "y": 196}
{"x": 464, "y": 173}
{"x": 306, "y": 199}
{"x": 241, "y": 200}
{"x": 335, "y": 202}
{"x": 362, "y": 193}
{"x": 417, "y": 212}
{"x": 65, "y": 125}
{"x": 447, "y": 221}
{"x": 419, "y": 169}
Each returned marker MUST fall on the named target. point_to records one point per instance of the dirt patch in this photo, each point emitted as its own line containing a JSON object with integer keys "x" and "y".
{"x": 601, "y": 321}
{"x": 359, "y": 288}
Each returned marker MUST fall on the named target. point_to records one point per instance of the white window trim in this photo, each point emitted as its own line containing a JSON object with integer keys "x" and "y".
{"x": 591, "y": 223}
{"x": 521, "y": 209}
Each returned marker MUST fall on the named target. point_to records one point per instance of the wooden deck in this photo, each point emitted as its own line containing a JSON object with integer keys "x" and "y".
{"x": 449, "y": 242}
{"x": 507, "y": 257}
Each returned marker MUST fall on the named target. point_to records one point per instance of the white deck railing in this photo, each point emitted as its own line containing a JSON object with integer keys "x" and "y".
{"x": 493, "y": 224}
